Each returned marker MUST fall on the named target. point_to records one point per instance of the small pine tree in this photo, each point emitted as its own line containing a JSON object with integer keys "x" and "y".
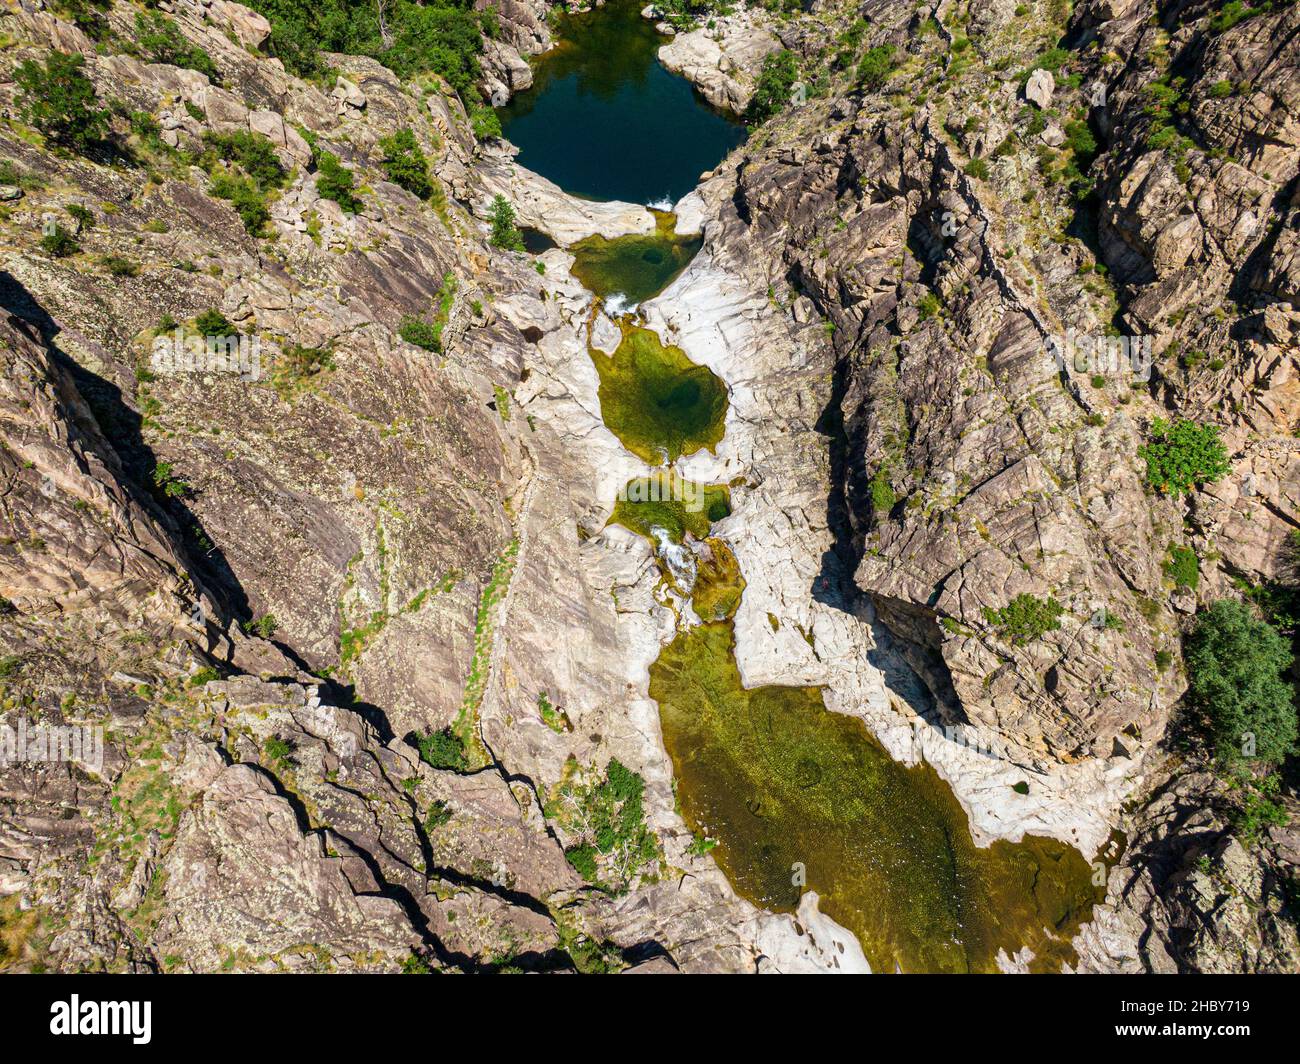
{"x": 505, "y": 234}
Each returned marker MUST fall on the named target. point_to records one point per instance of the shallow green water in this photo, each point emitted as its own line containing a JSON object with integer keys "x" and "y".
{"x": 604, "y": 120}
{"x": 782, "y": 782}
{"x": 677, "y": 506}
{"x": 659, "y": 403}
{"x": 636, "y": 268}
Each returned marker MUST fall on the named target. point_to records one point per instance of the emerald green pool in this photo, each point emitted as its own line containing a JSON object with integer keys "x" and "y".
{"x": 635, "y": 268}
{"x": 659, "y": 403}
{"x": 604, "y": 120}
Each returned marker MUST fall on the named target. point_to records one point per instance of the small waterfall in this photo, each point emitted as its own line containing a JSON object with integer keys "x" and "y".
{"x": 663, "y": 203}
{"x": 679, "y": 558}
{"x": 617, "y": 304}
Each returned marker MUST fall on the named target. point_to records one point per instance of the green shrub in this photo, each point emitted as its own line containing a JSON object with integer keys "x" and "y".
{"x": 875, "y": 67}
{"x": 583, "y": 859}
{"x": 246, "y": 198}
{"x": 1182, "y": 567}
{"x": 1235, "y": 666}
{"x": 978, "y": 169}
{"x": 302, "y": 362}
{"x": 213, "y": 323}
{"x": 421, "y": 333}
{"x": 161, "y": 41}
{"x": 1182, "y": 455}
{"x": 59, "y": 100}
{"x": 252, "y": 153}
{"x": 1025, "y": 618}
{"x": 439, "y": 814}
{"x": 84, "y": 215}
{"x": 265, "y": 626}
{"x": 443, "y": 749}
{"x": 405, "y": 164}
{"x": 484, "y": 122}
{"x": 882, "y": 492}
{"x": 166, "y": 481}
{"x": 505, "y": 234}
{"x": 779, "y": 72}
{"x": 334, "y": 181}
{"x": 119, "y": 266}
{"x": 277, "y": 749}
{"x": 59, "y": 242}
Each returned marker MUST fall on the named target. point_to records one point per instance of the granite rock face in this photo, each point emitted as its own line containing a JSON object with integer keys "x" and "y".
{"x": 722, "y": 61}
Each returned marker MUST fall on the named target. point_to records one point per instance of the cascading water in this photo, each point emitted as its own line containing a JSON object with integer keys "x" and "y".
{"x": 678, "y": 557}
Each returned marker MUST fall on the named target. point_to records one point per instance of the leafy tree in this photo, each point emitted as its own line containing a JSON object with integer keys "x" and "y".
{"x": 443, "y": 37}
{"x": 1182, "y": 455}
{"x": 875, "y": 66}
{"x": 505, "y": 234}
{"x": 405, "y": 164}
{"x": 1235, "y": 665}
{"x": 59, "y": 100}
{"x": 1025, "y": 618}
{"x": 334, "y": 181}
{"x": 775, "y": 80}
{"x": 161, "y": 41}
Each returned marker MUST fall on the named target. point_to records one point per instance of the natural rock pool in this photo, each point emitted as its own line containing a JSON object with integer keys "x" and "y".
{"x": 605, "y": 121}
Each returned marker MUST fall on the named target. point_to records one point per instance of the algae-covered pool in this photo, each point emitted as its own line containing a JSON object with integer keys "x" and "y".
{"x": 634, "y": 268}
{"x": 784, "y": 786}
{"x": 659, "y": 403}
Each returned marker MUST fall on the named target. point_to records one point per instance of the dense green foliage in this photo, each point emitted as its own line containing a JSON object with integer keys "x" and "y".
{"x": 1235, "y": 665}
{"x": 875, "y": 66}
{"x": 1025, "y": 618}
{"x": 405, "y": 164}
{"x": 1183, "y": 568}
{"x": 336, "y": 182}
{"x": 440, "y": 37}
{"x": 442, "y": 749}
{"x": 1182, "y": 455}
{"x": 245, "y": 170}
{"x": 775, "y": 80}
{"x": 161, "y": 41}
{"x": 609, "y": 817}
{"x": 428, "y": 334}
{"x": 505, "y": 233}
{"x": 59, "y": 100}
